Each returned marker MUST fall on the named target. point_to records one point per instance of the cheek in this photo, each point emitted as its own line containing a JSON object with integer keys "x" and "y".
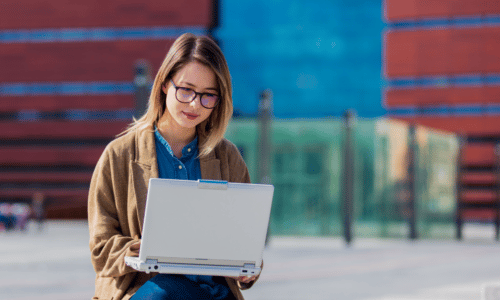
{"x": 170, "y": 103}
{"x": 207, "y": 114}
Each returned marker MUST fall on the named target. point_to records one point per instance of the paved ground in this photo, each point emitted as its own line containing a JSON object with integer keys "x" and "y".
{"x": 54, "y": 264}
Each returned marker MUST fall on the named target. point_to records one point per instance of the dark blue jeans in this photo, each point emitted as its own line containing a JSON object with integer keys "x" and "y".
{"x": 170, "y": 287}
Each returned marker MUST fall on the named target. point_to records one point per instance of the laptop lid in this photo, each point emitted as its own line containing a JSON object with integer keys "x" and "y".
{"x": 205, "y": 222}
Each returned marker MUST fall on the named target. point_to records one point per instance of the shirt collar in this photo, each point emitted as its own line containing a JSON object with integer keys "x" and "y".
{"x": 188, "y": 151}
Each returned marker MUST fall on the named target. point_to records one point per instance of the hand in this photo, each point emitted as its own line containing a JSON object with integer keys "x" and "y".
{"x": 245, "y": 279}
{"x": 135, "y": 248}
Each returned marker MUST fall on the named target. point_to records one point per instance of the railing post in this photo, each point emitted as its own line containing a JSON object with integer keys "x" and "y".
{"x": 265, "y": 116}
{"x": 458, "y": 188}
{"x": 142, "y": 87}
{"x": 348, "y": 192}
{"x": 412, "y": 177}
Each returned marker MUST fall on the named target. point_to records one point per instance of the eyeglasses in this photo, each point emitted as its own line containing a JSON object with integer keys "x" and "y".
{"x": 187, "y": 95}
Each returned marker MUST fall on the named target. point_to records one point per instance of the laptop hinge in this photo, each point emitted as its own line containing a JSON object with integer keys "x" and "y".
{"x": 251, "y": 266}
{"x": 212, "y": 184}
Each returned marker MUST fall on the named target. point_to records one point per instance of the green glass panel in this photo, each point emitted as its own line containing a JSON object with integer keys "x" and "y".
{"x": 307, "y": 172}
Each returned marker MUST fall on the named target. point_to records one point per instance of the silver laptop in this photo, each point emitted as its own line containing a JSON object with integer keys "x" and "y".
{"x": 204, "y": 227}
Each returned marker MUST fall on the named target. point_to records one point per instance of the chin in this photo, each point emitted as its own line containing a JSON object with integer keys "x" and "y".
{"x": 189, "y": 124}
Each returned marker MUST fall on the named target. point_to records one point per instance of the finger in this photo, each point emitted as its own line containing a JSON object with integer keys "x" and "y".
{"x": 246, "y": 279}
{"x": 136, "y": 246}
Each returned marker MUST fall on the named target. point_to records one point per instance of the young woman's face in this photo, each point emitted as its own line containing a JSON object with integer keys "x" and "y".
{"x": 198, "y": 78}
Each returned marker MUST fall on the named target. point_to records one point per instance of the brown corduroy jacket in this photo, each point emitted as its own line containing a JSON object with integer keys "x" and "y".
{"x": 117, "y": 201}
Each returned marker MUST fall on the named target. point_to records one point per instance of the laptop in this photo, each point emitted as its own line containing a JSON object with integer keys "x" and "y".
{"x": 204, "y": 227}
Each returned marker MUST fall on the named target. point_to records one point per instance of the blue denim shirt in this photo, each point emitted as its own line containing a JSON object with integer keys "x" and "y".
{"x": 171, "y": 167}
{"x": 187, "y": 168}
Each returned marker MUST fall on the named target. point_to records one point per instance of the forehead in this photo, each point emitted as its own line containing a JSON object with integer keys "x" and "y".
{"x": 196, "y": 74}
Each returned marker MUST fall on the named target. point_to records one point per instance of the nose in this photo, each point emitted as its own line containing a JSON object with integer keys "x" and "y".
{"x": 196, "y": 101}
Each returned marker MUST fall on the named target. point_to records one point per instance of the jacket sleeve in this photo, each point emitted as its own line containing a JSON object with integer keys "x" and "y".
{"x": 108, "y": 244}
{"x": 237, "y": 167}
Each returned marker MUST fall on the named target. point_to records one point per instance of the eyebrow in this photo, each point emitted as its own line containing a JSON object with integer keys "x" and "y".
{"x": 192, "y": 85}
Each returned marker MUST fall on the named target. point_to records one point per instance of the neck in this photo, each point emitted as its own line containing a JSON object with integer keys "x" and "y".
{"x": 176, "y": 136}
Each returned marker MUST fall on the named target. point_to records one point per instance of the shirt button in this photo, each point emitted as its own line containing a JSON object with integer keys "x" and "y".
{"x": 180, "y": 167}
{"x": 189, "y": 149}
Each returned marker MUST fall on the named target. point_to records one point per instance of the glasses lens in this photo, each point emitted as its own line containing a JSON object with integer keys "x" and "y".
{"x": 209, "y": 100}
{"x": 185, "y": 94}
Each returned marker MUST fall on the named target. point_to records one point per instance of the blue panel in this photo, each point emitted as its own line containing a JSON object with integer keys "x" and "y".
{"x": 102, "y": 34}
{"x": 67, "y": 88}
{"x": 319, "y": 58}
{"x": 42, "y": 35}
{"x": 73, "y": 88}
{"x": 14, "y": 89}
{"x": 75, "y": 35}
{"x": 11, "y": 36}
{"x": 95, "y": 34}
{"x": 457, "y": 110}
{"x": 135, "y": 33}
{"x": 444, "y": 81}
{"x": 42, "y": 89}
{"x": 461, "y": 21}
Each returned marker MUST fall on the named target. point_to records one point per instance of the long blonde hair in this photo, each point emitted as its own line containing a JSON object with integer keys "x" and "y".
{"x": 188, "y": 48}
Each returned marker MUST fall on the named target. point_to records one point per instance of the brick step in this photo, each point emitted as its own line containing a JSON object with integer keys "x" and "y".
{"x": 45, "y": 177}
{"x": 14, "y": 130}
{"x": 482, "y": 215}
{"x": 479, "y": 178}
{"x": 27, "y": 194}
{"x": 482, "y": 154}
{"x": 50, "y": 156}
{"x": 478, "y": 196}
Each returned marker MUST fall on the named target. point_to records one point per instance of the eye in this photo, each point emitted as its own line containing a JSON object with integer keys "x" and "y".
{"x": 185, "y": 92}
{"x": 185, "y": 89}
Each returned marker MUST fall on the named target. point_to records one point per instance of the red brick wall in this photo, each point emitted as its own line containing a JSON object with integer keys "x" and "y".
{"x": 448, "y": 51}
{"x": 78, "y": 61}
{"x": 416, "y": 9}
{"x": 104, "y": 13}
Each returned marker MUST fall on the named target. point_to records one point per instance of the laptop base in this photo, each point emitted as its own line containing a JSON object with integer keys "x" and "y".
{"x": 152, "y": 265}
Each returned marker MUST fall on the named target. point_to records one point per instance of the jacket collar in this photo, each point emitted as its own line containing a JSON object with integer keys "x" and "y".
{"x": 145, "y": 150}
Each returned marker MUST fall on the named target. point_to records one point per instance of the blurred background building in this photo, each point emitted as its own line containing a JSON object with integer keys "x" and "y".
{"x": 419, "y": 74}
{"x": 442, "y": 60}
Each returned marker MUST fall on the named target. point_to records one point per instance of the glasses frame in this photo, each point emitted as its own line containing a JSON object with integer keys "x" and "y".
{"x": 196, "y": 94}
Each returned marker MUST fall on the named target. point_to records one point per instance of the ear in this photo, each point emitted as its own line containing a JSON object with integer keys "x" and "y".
{"x": 164, "y": 88}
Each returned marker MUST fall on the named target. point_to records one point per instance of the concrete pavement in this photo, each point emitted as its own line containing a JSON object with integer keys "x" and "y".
{"x": 55, "y": 264}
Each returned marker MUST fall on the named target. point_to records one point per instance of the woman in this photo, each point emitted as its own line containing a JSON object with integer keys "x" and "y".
{"x": 179, "y": 137}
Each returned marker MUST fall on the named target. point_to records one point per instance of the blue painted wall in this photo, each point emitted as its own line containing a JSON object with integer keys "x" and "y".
{"x": 319, "y": 57}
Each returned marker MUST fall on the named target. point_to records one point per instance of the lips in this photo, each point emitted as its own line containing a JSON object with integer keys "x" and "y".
{"x": 190, "y": 116}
